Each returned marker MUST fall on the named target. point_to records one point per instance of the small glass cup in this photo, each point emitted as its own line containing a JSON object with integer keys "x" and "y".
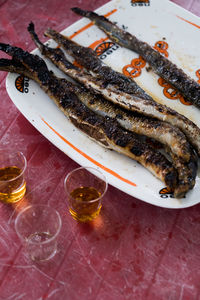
{"x": 85, "y": 188}
{"x": 12, "y": 182}
{"x": 38, "y": 227}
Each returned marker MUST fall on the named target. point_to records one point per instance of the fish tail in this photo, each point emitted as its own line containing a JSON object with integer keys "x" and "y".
{"x": 34, "y": 36}
{"x": 81, "y": 12}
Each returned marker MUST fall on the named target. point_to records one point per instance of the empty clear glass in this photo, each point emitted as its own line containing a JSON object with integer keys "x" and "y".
{"x": 38, "y": 227}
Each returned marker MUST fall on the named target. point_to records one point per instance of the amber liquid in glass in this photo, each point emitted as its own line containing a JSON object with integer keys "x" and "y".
{"x": 82, "y": 207}
{"x": 11, "y": 189}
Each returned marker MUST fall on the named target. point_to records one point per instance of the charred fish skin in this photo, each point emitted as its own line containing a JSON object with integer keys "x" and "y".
{"x": 87, "y": 58}
{"x": 36, "y": 65}
{"x": 112, "y": 135}
{"x": 186, "y": 175}
{"x": 188, "y": 87}
{"x": 159, "y": 130}
{"x": 122, "y": 142}
{"x": 186, "y": 171}
{"x": 124, "y": 95}
{"x": 45, "y": 50}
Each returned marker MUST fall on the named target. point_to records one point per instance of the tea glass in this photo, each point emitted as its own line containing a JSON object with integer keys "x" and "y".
{"x": 12, "y": 181}
{"x": 38, "y": 227}
{"x": 85, "y": 188}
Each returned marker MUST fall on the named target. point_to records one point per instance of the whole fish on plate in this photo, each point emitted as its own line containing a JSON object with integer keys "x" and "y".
{"x": 161, "y": 65}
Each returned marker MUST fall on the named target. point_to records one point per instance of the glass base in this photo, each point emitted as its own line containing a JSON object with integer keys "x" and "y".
{"x": 85, "y": 217}
{"x": 14, "y": 197}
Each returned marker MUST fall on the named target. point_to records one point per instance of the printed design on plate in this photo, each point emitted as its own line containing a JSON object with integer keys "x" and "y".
{"x": 171, "y": 93}
{"x": 162, "y": 46}
{"x": 198, "y": 75}
{"x": 140, "y": 2}
{"x": 103, "y": 47}
{"x": 168, "y": 90}
{"x": 134, "y": 69}
{"x": 165, "y": 193}
{"x": 22, "y": 84}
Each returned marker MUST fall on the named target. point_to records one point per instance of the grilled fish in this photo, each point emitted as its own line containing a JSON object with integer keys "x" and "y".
{"x": 161, "y": 131}
{"x": 105, "y": 131}
{"x": 188, "y": 87}
{"x": 123, "y": 91}
{"x": 158, "y": 130}
{"x": 186, "y": 173}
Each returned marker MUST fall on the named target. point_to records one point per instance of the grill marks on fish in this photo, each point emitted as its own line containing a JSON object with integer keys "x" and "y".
{"x": 123, "y": 91}
{"x": 106, "y": 131}
{"x": 159, "y": 130}
{"x": 163, "y": 132}
{"x": 87, "y": 58}
{"x": 186, "y": 174}
{"x": 188, "y": 87}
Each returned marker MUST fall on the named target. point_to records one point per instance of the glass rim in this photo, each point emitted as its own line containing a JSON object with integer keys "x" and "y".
{"x": 24, "y": 167}
{"x": 87, "y": 168}
{"x": 38, "y": 205}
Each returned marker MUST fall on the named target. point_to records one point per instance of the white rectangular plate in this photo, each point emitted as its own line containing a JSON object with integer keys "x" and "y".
{"x": 151, "y": 22}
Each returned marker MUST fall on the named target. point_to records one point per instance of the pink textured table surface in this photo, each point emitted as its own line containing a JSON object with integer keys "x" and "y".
{"x": 133, "y": 251}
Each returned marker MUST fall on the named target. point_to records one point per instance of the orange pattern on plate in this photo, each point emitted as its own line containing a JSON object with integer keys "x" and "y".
{"x": 191, "y": 23}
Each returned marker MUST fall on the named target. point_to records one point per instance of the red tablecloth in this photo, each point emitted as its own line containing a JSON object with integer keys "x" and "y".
{"x": 133, "y": 251}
